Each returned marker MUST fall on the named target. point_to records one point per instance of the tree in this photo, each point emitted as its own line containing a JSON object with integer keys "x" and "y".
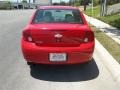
{"x": 24, "y": 1}
{"x": 96, "y": 2}
{"x": 110, "y": 2}
{"x": 85, "y": 3}
{"x": 62, "y": 3}
{"x": 77, "y": 2}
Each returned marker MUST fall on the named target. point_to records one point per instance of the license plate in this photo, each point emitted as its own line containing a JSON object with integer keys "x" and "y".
{"x": 56, "y": 57}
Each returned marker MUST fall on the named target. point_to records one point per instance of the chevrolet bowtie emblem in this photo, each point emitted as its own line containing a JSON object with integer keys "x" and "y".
{"x": 58, "y": 36}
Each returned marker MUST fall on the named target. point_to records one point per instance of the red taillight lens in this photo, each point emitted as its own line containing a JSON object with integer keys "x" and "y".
{"x": 89, "y": 36}
{"x": 27, "y": 36}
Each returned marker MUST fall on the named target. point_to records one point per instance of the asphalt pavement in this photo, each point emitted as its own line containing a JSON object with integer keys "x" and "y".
{"x": 15, "y": 74}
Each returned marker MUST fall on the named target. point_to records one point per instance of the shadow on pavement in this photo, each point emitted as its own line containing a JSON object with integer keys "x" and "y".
{"x": 65, "y": 73}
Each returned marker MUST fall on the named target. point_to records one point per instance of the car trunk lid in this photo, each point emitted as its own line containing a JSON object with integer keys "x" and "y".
{"x": 58, "y": 35}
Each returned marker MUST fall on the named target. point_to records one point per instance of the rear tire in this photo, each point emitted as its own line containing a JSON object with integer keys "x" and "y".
{"x": 31, "y": 64}
{"x": 88, "y": 62}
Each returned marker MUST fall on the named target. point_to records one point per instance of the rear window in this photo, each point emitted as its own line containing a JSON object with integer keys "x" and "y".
{"x": 57, "y": 16}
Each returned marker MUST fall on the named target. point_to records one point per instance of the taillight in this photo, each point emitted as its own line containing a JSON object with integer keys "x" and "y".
{"x": 27, "y": 36}
{"x": 89, "y": 36}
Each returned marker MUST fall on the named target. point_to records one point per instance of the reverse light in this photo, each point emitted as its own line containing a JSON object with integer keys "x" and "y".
{"x": 86, "y": 40}
{"x": 30, "y": 39}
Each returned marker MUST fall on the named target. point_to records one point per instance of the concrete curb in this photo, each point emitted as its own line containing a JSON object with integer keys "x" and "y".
{"x": 112, "y": 65}
{"x": 106, "y": 28}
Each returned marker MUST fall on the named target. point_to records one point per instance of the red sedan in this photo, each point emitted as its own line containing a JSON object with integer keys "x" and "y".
{"x": 57, "y": 35}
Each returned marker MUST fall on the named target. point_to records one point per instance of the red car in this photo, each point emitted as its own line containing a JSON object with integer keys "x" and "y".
{"x": 57, "y": 35}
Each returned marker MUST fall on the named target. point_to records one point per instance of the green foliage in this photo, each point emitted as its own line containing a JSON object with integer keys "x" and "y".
{"x": 62, "y": 3}
{"x": 113, "y": 20}
{"x": 96, "y": 11}
{"x": 24, "y": 1}
{"x": 108, "y": 43}
{"x": 77, "y": 4}
{"x": 111, "y": 2}
{"x": 116, "y": 23}
{"x": 96, "y": 2}
{"x": 5, "y": 5}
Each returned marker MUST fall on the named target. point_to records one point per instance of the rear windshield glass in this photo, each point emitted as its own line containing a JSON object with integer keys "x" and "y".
{"x": 57, "y": 16}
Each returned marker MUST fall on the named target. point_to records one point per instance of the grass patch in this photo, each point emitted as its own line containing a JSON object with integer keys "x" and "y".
{"x": 112, "y": 47}
{"x": 113, "y": 20}
{"x": 96, "y": 11}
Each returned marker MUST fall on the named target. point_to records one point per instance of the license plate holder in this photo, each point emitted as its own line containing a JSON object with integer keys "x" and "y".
{"x": 57, "y": 57}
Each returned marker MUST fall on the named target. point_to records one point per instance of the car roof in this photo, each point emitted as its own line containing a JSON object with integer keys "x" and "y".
{"x": 57, "y": 7}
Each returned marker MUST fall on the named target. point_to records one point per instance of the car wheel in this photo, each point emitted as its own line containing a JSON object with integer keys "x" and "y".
{"x": 31, "y": 64}
{"x": 89, "y": 62}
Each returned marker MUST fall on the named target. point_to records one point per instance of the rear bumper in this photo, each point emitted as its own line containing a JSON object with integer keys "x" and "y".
{"x": 37, "y": 54}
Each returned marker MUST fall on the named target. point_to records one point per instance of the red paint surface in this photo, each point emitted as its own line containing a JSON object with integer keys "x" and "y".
{"x": 44, "y": 41}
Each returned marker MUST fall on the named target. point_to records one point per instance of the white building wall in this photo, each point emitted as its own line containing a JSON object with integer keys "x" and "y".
{"x": 43, "y": 2}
